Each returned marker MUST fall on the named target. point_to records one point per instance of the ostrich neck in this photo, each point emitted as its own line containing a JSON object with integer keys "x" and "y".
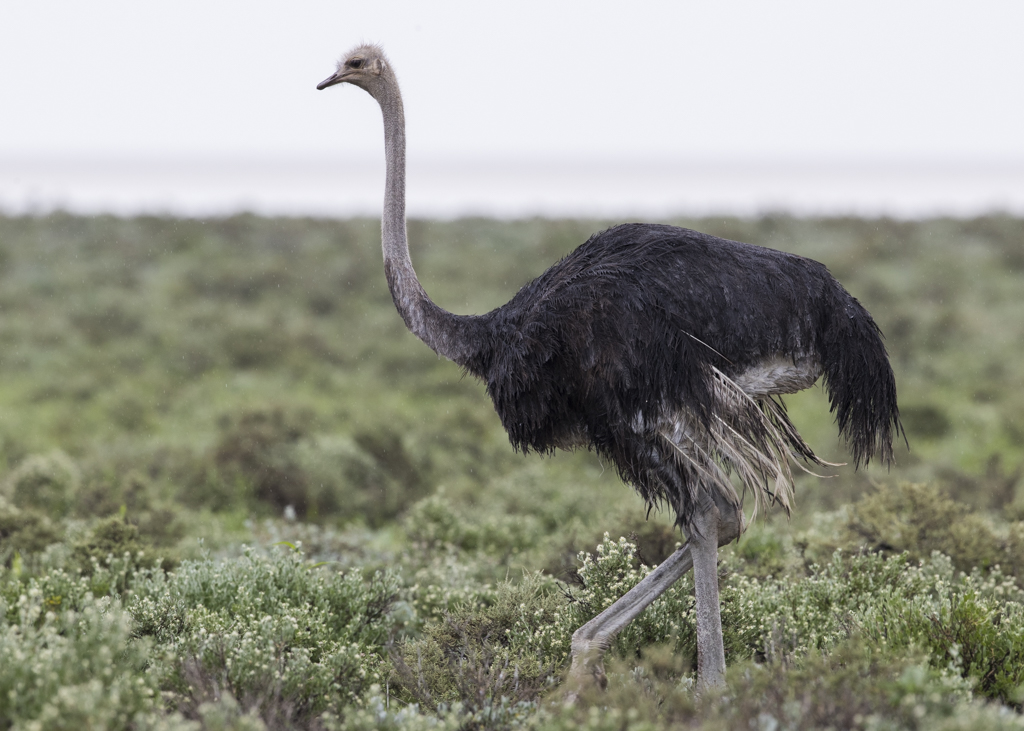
{"x": 449, "y": 335}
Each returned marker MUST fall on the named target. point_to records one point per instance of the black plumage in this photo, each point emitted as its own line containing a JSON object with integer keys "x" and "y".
{"x": 625, "y": 332}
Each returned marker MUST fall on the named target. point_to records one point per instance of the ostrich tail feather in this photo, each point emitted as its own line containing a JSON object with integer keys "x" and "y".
{"x": 860, "y": 382}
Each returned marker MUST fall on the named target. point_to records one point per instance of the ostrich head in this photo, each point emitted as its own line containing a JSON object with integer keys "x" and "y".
{"x": 363, "y": 66}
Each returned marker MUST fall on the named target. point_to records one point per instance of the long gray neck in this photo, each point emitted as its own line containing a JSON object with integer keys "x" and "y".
{"x": 448, "y": 335}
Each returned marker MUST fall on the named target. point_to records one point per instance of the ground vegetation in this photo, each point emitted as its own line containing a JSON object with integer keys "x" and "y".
{"x": 235, "y": 493}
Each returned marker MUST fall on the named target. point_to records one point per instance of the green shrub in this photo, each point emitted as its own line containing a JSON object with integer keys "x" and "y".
{"x": 47, "y": 483}
{"x": 284, "y": 637}
{"x": 255, "y": 345}
{"x": 982, "y": 639}
{"x": 370, "y": 477}
{"x": 272, "y": 458}
{"x": 439, "y": 581}
{"x": 435, "y": 522}
{"x": 256, "y": 453}
{"x": 489, "y": 658}
{"x": 925, "y": 421}
{"x": 971, "y": 625}
{"x": 918, "y": 519}
{"x": 110, "y": 538}
{"x": 386, "y": 480}
{"x": 376, "y": 712}
{"x": 72, "y": 664}
{"x": 23, "y": 531}
{"x": 764, "y": 552}
{"x": 225, "y": 714}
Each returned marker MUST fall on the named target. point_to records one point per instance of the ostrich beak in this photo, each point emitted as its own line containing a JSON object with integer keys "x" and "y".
{"x": 335, "y": 78}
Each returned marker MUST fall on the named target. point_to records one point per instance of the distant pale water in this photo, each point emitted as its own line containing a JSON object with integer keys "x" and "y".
{"x": 510, "y": 189}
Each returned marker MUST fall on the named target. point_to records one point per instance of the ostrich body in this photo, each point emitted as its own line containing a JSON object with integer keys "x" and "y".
{"x": 662, "y": 349}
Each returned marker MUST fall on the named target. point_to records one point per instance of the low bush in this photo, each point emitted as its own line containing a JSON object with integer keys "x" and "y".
{"x": 918, "y": 519}
{"x": 276, "y": 461}
{"x": 67, "y": 659}
{"x": 23, "y": 531}
{"x": 47, "y": 483}
{"x": 376, "y": 712}
{"x": 255, "y": 456}
{"x": 284, "y": 637}
{"x": 435, "y": 522}
{"x": 110, "y": 538}
{"x": 485, "y": 658}
{"x": 921, "y": 518}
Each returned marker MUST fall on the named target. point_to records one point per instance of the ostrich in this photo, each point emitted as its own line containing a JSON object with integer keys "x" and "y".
{"x": 664, "y": 350}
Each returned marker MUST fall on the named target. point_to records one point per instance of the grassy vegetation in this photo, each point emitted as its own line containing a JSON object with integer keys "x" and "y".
{"x": 235, "y": 493}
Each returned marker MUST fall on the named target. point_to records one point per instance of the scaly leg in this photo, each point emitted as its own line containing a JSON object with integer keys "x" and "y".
{"x": 590, "y": 641}
{"x": 710, "y": 645}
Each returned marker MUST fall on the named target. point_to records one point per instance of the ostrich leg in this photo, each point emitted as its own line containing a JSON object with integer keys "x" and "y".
{"x": 710, "y": 645}
{"x": 717, "y": 524}
{"x": 590, "y": 641}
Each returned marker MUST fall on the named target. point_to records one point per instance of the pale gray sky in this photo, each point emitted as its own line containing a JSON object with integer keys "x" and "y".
{"x": 733, "y": 79}
{"x": 103, "y": 91}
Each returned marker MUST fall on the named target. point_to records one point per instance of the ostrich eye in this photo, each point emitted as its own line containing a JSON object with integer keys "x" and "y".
{"x": 355, "y": 63}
